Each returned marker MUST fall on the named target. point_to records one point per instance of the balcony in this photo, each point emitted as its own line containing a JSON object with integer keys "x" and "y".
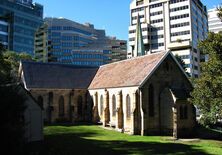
{"x": 179, "y": 45}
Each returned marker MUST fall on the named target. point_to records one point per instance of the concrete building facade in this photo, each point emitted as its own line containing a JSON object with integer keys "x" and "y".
{"x": 42, "y": 44}
{"x": 23, "y": 18}
{"x": 215, "y": 23}
{"x": 175, "y": 25}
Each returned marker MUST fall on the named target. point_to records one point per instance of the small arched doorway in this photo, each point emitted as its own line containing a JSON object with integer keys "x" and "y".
{"x": 166, "y": 112}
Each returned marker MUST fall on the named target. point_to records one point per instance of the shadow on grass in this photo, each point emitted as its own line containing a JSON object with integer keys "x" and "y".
{"x": 76, "y": 144}
{"x": 207, "y": 133}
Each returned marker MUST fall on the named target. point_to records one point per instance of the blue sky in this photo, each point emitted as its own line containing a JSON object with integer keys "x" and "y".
{"x": 111, "y": 15}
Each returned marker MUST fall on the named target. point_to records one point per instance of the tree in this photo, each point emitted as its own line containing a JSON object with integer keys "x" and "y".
{"x": 182, "y": 63}
{"x": 12, "y": 106}
{"x": 13, "y": 59}
{"x": 207, "y": 93}
{"x": 4, "y": 67}
{"x": 219, "y": 14}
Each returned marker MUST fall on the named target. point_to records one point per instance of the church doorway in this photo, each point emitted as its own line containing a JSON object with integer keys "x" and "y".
{"x": 166, "y": 112}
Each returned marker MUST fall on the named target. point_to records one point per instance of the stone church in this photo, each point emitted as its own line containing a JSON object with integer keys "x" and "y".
{"x": 144, "y": 95}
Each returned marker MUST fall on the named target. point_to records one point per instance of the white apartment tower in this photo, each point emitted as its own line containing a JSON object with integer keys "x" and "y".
{"x": 215, "y": 23}
{"x": 175, "y": 25}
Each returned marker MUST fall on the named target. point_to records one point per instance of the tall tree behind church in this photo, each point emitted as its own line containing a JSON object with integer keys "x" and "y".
{"x": 207, "y": 94}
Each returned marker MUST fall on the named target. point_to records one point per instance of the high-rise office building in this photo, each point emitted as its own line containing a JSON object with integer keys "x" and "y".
{"x": 214, "y": 22}
{"x": 175, "y": 25}
{"x": 4, "y": 32}
{"x": 42, "y": 44}
{"x": 19, "y": 19}
{"x": 118, "y": 48}
{"x": 81, "y": 44}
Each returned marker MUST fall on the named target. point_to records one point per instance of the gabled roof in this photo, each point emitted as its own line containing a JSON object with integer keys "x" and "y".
{"x": 56, "y": 76}
{"x": 131, "y": 72}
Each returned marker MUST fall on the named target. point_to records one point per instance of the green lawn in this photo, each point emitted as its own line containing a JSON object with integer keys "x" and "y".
{"x": 80, "y": 140}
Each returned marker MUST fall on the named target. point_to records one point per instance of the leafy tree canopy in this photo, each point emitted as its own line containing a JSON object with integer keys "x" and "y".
{"x": 219, "y": 14}
{"x": 10, "y": 61}
{"x": 207, "y": 94}
{"x": 182, "y": 63}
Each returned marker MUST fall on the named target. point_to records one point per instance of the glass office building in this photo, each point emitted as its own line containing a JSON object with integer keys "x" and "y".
{"x": 19, "y": 20}
{"x": 81, "y": 44}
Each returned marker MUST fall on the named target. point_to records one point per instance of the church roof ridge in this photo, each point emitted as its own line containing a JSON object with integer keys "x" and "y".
{"x": 138, "y": 57}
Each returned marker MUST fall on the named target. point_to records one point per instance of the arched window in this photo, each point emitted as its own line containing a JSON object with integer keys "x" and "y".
{"x": 101, "y": 105}
{"x": 151, "y": 101}
{"x": 183, "y": 112}
{"x": 114, "y": 105}
{"x": 40, "y": 101}
{"x": 50, "y": 98}
{"x": 61, "y": 106}
{"x": 79, "y": 104}
{"x": 128, "y": 106}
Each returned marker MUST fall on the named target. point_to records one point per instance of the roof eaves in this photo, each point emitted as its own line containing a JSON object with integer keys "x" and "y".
{"x": 112, "y": 87}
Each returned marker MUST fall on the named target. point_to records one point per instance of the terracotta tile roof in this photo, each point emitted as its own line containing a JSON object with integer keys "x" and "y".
{"x": 57, "y": 76}
{"x": 125, "y": 73}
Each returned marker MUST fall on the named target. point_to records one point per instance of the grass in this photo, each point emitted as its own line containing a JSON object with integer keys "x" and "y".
{"x": 82, "y": 139}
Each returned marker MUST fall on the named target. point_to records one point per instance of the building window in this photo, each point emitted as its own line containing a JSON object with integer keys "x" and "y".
{"x": 139, "y": 2}
{"x": 101, "y": 105}
{"x": 176, "y": 1}
{"x": 50, "y": 98}
{"x": 180, "y": 33}
{"x": 79, "y": 105}
{"x": 183, "y": 112}
{"x": 114, "y": 105}
{"x": 151, "y": 101}
{"x": 179, "y": 17}
{"x": 128, "y": 106}
{"x": 40, "y": 101}
{"x": 61, "y": 107}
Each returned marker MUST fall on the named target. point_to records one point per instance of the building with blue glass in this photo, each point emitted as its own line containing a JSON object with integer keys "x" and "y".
{"x": 19, "y": 20}
{"x": 80, "y": 44}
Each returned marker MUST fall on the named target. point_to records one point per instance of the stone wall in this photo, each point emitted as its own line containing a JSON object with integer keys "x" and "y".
{"x": 74, "y": 111}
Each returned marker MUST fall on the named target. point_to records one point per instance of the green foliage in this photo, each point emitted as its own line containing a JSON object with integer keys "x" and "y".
{"x": 12, "y": 104}
{"x": 207, "y": 94}
{"x": 182, "y": 63}
{"x": 13, "y": 59}
{"x": 4, "y": 68}
{"x": 219, "y": 14}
